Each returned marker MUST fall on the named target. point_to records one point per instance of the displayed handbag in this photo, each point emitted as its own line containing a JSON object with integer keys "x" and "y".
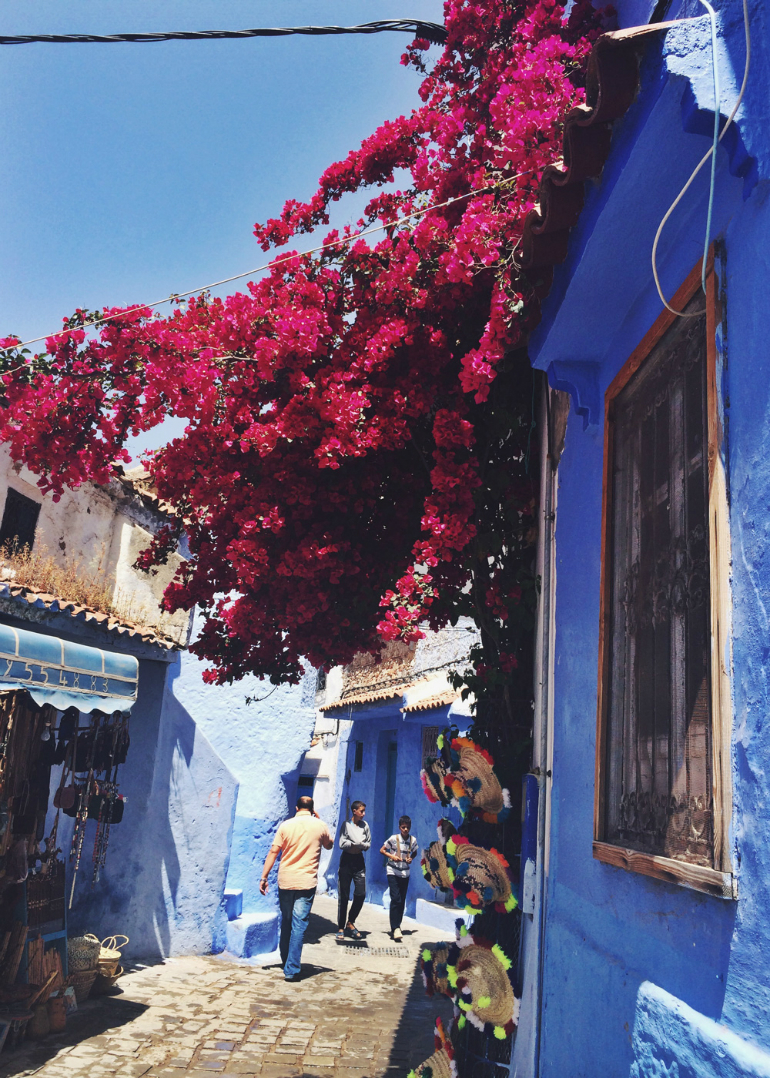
{"x": 99, "y": 807}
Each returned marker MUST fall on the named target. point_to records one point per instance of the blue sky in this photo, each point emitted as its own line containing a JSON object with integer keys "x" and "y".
{"x": 133, "y": 171}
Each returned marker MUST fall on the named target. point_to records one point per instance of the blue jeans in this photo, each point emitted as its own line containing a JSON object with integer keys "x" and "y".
{"x": 295, "y": 917}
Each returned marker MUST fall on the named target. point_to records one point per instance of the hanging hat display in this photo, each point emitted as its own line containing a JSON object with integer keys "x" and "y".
{"x": 433, "y": 966}
{"x": 442, "y": 1063}
{"x": 472, "y": 782}
{"x": 480, "y": 877}
{"x": 478, "y": 973}
{"x": 434, "y": 862}
{"x": 433, "y": 778}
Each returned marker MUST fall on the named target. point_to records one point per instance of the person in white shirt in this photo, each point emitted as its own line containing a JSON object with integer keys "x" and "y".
{"x": 400, "y": 850}
{"x": 355, "y": 840}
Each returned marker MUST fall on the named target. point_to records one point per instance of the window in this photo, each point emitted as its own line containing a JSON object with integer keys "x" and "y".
{"x": 358, "y": 759}
{"x": 320, "y": 681}
{"x": 305, "y": 785}
{"x": 429, "y": 746}
{"x": 662, "y": 804}
{"x": 19, "y": 520}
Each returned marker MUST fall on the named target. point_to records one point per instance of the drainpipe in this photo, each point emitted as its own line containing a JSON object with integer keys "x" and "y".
{"x": 525, "y": 1061}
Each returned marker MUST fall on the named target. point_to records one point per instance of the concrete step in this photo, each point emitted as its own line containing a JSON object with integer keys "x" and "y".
{"x": 252, "y": 934}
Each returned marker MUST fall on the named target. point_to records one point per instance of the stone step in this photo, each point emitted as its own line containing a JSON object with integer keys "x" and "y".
{"x": 252, "y": 934}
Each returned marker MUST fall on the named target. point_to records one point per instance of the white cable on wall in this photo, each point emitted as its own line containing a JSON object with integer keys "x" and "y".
{"x": 718, "y": 136}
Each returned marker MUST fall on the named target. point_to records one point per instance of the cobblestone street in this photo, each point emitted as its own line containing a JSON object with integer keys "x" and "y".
{"x": 358, "y": 1012}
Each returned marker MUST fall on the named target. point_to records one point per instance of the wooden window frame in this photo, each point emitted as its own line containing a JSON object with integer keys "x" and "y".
{"x": 719, "y": 881}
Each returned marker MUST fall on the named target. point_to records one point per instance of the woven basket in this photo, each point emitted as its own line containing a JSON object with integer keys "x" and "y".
{"x": 57, "y": 1014}
{"x": 105, "y": 982}
{"x": 109, "y": 955}
{"x": 83, "y": 981}
{"x": 82, "y": 953}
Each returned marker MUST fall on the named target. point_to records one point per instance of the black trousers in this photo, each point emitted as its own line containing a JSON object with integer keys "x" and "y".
{"x": 398, "y": 886}
{"x": 352, "y": 870}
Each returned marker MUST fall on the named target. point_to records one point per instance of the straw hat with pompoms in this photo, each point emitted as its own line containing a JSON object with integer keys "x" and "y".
{"x": 480, "y": 878}
{"x": 471, "y": 781}
{"x": 434, "y": 862}
{"x": 478, "y": 971}
{"x": 433, "y": 964}
{"x": 442, "y": 1063}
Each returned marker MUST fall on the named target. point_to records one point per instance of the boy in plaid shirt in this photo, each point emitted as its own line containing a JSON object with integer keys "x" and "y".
{"x": 400, "y": 850}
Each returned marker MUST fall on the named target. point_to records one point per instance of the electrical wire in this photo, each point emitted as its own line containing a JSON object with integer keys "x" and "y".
{"x": 174, "y": 296}
{"x": 710, "y": 153}
{"x": 433, "y": 31}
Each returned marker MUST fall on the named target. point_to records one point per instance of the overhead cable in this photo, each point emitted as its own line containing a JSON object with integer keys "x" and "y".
{"x": 175, "y": 296}
{"x": 432, "y": 31}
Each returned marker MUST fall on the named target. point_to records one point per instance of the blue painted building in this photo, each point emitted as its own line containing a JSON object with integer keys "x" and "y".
{"x": 378, "y": 720}
{"x": 648, "y": 951}
{"x": 210, "y": 772}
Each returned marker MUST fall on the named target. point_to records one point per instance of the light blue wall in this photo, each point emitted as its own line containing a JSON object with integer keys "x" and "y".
{"x": 262, "y": 744}
{"x": 639, "y": 974}
{"x": 208, "y": 779}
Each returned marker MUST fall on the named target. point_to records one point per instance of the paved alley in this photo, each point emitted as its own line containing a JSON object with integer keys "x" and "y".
{"x": 358, "y": 1012}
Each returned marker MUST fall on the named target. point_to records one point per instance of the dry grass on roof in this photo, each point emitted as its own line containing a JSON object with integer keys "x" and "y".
{"x": 37, "y": 568}
{"x": 68, "y": 581}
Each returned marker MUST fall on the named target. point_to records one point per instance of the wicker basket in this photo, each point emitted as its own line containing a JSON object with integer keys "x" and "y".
{"x": 104, "y": 982}
{"x": 82, "y": 953}
{"x": 109, "y": 955}
{"x": 83, "y": 981}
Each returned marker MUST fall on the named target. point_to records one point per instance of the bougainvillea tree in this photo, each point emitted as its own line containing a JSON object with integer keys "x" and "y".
{"x": 357, "y": 461}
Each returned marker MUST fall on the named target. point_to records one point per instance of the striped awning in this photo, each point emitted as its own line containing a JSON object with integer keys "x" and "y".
{"x": 55, "y": 671}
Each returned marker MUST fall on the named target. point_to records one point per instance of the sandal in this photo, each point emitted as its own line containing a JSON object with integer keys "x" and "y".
{"x": 354, "y": 933}
{"x": 340, "y": 936}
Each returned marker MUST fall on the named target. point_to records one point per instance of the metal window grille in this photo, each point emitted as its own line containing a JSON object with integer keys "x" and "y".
{"x": 429, "y": 739}
{"x": 658, "y": 793}
{"x": 320, "y": 681}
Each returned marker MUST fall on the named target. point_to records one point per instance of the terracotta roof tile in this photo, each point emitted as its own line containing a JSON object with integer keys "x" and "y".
{"x": 429, "y": 703}
{"x": 612, "y": 80}
{"x": 43, "y": 601}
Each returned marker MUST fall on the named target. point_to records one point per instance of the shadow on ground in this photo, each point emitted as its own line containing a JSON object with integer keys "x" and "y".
{"x": 413, "y": 1042}
{"x": 319, "y": 927}
{"x": 92, "y": 1018}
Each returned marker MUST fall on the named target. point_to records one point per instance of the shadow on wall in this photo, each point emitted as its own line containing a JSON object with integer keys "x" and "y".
{"x": 167, "y": 861}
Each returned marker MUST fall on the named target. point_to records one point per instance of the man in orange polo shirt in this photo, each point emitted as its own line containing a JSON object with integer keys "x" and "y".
{"x": 299, "y": 843}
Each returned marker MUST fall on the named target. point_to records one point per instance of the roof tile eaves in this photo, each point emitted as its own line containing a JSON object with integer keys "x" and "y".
{"x": 612, "y": 81}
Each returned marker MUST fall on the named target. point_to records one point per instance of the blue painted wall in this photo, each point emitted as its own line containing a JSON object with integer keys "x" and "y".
{"x": 262, "y": 744}
{"x": 377, "y": 727}
{"x": 641, "y": 976}
{"x": 208, "y": 780}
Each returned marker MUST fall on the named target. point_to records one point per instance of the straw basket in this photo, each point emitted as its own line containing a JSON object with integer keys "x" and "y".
{"x": 104, "y": 982}
{"x": 57, "y": 1013}
{"x": 109, "y": 955}
{"x": 82, "y": 953}
{"x": 83, "y": 981}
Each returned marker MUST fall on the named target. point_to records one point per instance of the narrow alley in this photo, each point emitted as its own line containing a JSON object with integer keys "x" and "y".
{"x": 358, "y": 1012}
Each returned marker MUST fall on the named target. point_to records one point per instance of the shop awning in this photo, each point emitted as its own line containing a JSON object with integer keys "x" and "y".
{"x": 54, "y": 671}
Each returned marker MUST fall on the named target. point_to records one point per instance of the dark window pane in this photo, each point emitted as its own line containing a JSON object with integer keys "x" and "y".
{"x": 19, "y": 520}
{"x": 658, "y": 779}
{"x": 358, "y": 760}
